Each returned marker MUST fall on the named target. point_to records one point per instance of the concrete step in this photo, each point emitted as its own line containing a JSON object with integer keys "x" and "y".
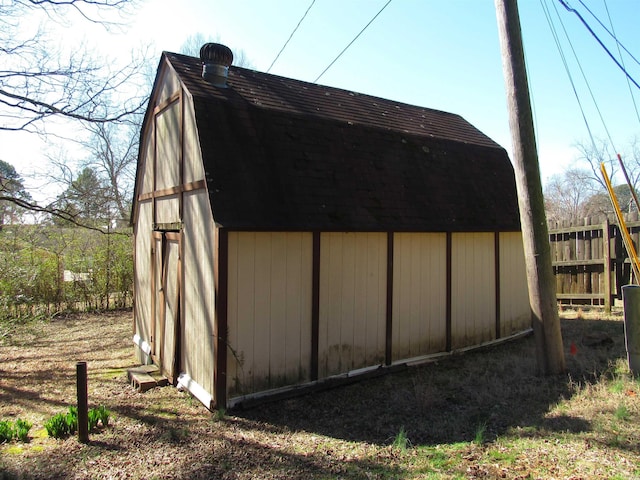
{"x": 146, "y": 377}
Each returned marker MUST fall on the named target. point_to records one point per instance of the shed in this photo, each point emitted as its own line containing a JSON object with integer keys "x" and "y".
{"x": 289, "y": 233}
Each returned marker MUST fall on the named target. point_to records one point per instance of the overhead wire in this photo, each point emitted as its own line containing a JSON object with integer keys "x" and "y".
{"x": 610, "y": 32}
{"x": 584, "y": 77}
{"x": 352, "y": 41}
{"x": 554, "y": 33}
{"x": 633, "y": 98}
{"x": 584, "y": 22}
{"x": 291, "y": 36}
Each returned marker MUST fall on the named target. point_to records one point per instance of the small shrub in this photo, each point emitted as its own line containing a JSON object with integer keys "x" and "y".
{"x": 6, "y": 431}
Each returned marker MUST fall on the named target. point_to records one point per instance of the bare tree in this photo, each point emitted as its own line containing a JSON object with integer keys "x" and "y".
{"x": 592, "y": 154}
{"x": 41, "y": 82}
{"x": 566, "y": 195}
{"x": 113, "y": 153}
{"x": 38, "y": 81}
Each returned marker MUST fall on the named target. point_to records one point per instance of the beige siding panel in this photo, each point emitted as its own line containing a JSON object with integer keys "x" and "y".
{"x": 515, "y": 311}
{"x": 168, "y": 147}
{"x": 168, "y": 209}
{"x": 419, "y": 294}
{"x": 353, "y": 270}
{"x": 142, "y": 286}
{"x": 199, "y": 290}
{"x": 193, "y": 167}
{"x": 170, "y": 290}
{"x": 473, "y": 312}
{"x": 169, "y": 85}
{"x": 269, "y": 311}
{"x": 146, "y": 168}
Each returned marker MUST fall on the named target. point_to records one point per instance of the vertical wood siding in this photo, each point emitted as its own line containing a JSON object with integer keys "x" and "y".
{"x": 269, "y": 310}
{"x": 419, "y": 291}
{"x": 515, "y": 313}
{"x": 192, "y": 161}
{"x": 142, "y": 278}
{"x": 197, "y": 347}
{"x": 168, "y": 146}
{"x": 353, "y": 269}
{"x": 146, "y": 170}
{"x": 473, "y": 273}
{"x": 170, "y": 285}
{"x": 169, "y": 84}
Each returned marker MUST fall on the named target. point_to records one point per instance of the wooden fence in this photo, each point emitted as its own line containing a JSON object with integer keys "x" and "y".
{"x": 590, "y": 262}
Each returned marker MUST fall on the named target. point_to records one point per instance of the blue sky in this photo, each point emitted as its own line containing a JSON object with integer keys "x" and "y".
{"x": 433, "y": 53}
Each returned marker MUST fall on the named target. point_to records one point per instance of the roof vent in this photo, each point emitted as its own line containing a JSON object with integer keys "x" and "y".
{"x": 216, "y": 59}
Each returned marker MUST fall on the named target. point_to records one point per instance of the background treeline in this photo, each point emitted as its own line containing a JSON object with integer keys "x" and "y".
{"x": 47, "y": 269}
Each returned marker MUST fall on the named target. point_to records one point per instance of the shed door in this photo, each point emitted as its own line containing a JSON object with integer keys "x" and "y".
{"x": 166, "y": 296}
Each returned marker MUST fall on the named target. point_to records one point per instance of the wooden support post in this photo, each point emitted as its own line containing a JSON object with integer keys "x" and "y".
{"x": 606, "y": 258}
{"x": 542, "y": 295}
{"x": 83, "y": 406}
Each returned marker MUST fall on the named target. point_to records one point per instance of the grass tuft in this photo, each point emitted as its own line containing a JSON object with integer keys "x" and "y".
{"x": 401, "y": 441}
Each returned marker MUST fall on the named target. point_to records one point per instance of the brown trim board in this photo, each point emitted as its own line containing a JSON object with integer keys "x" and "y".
{"x": 496, "y": 242}
{"x": 220, "y": 329}
{"x": 448, "y": 295}
{"x": 388, "y": 351}
{"x": 315, "y": 305}
{"x": 167, "y": 192}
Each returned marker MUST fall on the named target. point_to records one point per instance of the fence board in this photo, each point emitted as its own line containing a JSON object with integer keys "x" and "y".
{"x": 590, "y": 262}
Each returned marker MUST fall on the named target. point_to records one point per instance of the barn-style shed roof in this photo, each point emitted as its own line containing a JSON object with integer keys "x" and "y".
{"x": 282, "y": 154}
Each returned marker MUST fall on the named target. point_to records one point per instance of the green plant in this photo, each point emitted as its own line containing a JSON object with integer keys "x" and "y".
{"x": 92, "y": 416}
{"x": 72, "y": 419}
{"x": 478, "y": 439}
{"x": 21, "y": 429}
{"x": 6, "y": 431}
{"x": 65, "y": 424}
{"x": 622, "y": 413}
{"x": 219, "y": 414}
{"x": 57, "y": 426}
{"x": 401, "y": 441}
{"x": 102, "y": 415}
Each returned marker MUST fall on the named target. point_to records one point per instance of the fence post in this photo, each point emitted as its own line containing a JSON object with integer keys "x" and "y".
{"x": 83, "y": 408}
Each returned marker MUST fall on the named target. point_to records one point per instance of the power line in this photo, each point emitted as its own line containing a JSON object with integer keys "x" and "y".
{"x": 612, "y": 32}
{"x": 586, "y": 81}
{"x": 351, "y": 42}
{"x": 584, "y": 22}
{"x": 547, "y": 13}
{"x": 633, "y": 98}
{"x": 291, "y": 36}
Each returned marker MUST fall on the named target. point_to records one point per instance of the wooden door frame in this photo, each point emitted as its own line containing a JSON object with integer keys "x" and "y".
{"x": 157, "y": 343}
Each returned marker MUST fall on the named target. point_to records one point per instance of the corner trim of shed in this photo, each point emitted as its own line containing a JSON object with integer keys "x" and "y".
{"x": 187, "y": 383}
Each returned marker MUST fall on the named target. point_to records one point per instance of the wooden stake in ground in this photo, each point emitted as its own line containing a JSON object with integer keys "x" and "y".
{"x": 83, "y": 408}
{"x": 542, "y": 295}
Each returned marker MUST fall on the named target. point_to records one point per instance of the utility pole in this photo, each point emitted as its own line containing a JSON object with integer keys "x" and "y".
{"x": 540, "y": 279}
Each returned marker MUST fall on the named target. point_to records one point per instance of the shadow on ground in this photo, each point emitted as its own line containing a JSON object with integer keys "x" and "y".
{"x": 485, "y": 392}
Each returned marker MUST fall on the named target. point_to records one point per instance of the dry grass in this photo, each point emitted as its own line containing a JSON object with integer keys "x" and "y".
{"x": 481, "y": 415}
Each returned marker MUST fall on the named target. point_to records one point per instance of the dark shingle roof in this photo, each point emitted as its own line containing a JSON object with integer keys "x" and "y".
{"x": 285, "y": 154}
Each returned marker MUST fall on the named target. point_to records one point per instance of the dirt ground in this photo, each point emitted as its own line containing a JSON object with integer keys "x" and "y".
{"x": 346, "y": 432}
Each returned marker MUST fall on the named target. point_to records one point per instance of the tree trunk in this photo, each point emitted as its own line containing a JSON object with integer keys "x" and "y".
{"x": 542, "y": 295}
